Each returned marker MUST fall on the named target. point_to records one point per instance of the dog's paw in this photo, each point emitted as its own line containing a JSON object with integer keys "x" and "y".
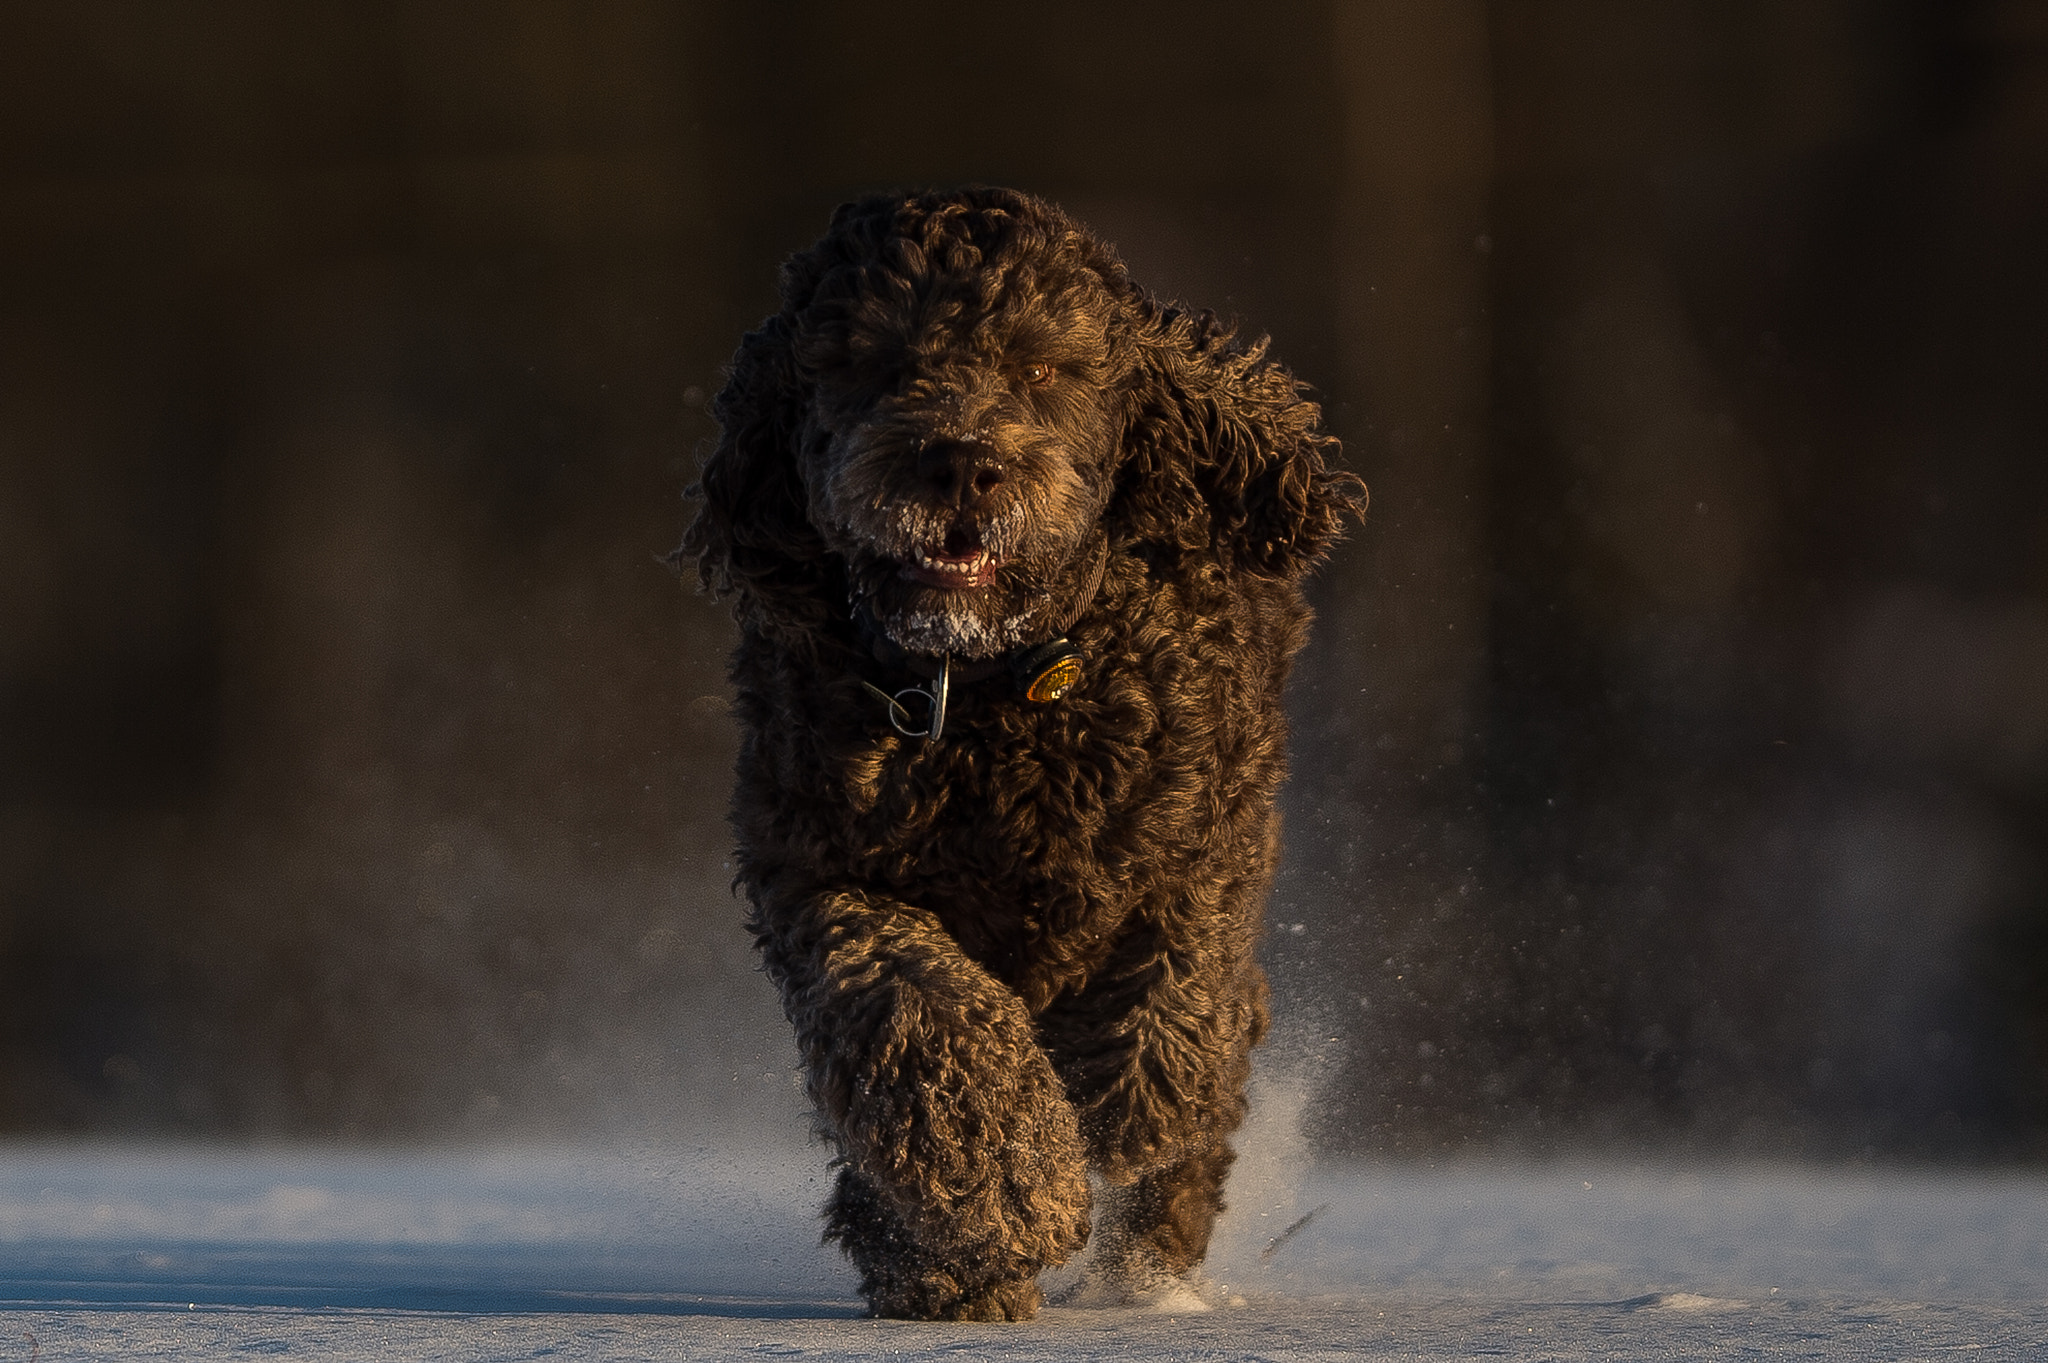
{"x": 958, "y": 1119}
{"x": 1017, "y": 1299}
{"x": 941, "y": 1296}
{"x": 1162, "y": 1294}
{"x": 1026, "y": 1208}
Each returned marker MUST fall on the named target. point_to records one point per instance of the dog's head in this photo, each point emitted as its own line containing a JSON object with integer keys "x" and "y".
{"x": 962, "y": 397}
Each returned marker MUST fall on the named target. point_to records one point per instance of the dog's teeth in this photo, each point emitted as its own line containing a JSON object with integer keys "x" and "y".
{"x": 968, "y": 565}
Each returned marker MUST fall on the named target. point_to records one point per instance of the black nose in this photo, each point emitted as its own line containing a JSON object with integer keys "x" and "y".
{"x": 961, "y": 471}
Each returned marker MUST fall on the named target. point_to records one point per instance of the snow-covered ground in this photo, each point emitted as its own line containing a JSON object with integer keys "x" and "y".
{"x": 685, "y": 1253}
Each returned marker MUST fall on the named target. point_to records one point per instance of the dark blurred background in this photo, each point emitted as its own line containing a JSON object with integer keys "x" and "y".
{"x": 1672, "y": 759}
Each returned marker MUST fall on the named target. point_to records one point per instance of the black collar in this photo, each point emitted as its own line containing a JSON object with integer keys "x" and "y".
{"x": 1042, "y": 672}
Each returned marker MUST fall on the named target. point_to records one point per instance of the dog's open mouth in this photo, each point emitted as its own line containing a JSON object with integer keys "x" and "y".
{"x": 958, "y": 563}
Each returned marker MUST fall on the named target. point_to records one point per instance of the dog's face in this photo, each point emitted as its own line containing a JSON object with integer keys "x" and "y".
{"x": 963, "y": 424}
{"x": 964, "y": 408}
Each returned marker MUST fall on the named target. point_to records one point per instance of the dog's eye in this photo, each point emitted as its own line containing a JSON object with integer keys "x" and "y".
{"x": 1036, "y": 374}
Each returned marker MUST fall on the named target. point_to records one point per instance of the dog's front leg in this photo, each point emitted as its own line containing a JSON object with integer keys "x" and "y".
{"x": 1156, "y": 1055}
{"x": 964, "y": 1169}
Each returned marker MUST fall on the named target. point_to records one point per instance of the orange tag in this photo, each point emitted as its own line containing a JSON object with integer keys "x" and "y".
{"x": 1055, "y": 681}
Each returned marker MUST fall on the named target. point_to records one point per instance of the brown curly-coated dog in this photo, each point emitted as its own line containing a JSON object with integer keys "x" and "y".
{"x": 1016, "y": 553}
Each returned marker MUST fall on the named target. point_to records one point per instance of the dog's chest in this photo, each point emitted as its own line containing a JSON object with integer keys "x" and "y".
{"x": 1033, "y": 831}
{"x": 1015, "y": 827}
{"x": 1004, "y": 797}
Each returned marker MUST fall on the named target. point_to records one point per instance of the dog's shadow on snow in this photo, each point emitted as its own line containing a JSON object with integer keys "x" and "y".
{"x": 395, "y": 1278}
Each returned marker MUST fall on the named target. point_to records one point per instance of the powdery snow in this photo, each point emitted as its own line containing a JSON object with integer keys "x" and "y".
{"x": 688, "y": 1253}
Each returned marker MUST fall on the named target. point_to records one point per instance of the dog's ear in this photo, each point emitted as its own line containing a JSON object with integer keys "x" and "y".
{"x": 1222, "y": 452}
{"x": 751, "y": 538}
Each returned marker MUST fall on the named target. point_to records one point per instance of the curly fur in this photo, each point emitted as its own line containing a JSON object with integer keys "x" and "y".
{"x": 1022, "y": 949}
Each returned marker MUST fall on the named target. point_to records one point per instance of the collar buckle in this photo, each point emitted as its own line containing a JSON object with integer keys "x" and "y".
{"x": 934, "y": 699}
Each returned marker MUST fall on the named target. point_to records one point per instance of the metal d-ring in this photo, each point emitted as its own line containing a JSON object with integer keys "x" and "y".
{"x": 899, "y": 715}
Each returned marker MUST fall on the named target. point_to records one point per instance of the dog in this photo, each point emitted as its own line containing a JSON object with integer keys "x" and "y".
{"x": 1016, "y": 553}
